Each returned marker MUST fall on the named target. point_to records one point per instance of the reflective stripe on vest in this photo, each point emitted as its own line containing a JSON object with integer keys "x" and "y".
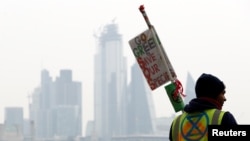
{"x": 193, "y": 127}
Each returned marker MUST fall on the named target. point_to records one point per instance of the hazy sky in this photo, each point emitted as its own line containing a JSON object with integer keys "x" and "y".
{"x": 211, "y": 36}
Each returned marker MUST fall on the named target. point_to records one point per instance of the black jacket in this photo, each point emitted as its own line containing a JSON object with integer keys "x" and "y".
{"x": 197, "y": 105}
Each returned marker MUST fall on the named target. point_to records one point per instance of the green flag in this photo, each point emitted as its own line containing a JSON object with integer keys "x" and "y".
{"x": 175, "y": 96}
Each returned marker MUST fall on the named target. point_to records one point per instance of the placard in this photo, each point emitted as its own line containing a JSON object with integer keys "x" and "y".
{"x": 152, "y": 58}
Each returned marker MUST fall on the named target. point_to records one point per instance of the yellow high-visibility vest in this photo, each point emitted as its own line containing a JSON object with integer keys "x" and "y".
{"x": 193, "y": 127}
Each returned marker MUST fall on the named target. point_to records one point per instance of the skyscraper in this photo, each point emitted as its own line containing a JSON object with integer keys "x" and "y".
{"x": 56, "y": 107}
{"x": 67, "y": 105}
{"x": 141, "y": 111}
{"x": 110, "y": 84}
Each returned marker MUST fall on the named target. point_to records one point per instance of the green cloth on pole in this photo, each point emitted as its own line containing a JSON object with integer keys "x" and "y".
{"x": 176, "y": 100}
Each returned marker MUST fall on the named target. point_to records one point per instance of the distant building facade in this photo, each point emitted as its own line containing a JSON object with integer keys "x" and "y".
{"x": 110, "y": 84}
{"x": 56, "y": 107}
{"x": 141, "y": 111}
{"x": 12, "y": 129}
{"x": 122, "y": 111}
{"x": 13, "y": 120}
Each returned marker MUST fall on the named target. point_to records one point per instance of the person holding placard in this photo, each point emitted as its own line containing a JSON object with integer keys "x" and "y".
{"x": 204, "y": 110}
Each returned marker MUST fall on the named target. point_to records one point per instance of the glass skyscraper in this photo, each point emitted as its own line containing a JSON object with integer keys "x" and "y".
{"x": 120, "y": 110}
{"x": 141, "y": 111}
{"x": 56, "y": 107}
{"x": 110, "y": 82}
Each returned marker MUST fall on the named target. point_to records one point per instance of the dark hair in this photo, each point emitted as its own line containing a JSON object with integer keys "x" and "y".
{"x": 208, "y": 85}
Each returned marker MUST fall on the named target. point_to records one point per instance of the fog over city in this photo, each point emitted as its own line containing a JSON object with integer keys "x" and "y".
{"x": 198, "y": 36}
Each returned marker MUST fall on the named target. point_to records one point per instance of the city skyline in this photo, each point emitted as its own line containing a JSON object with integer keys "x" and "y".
{"x": 199, "y": 36}
{"x": 137, "y": 92}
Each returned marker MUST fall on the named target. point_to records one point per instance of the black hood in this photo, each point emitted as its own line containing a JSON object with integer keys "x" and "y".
{"x": 198, "y": 104}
